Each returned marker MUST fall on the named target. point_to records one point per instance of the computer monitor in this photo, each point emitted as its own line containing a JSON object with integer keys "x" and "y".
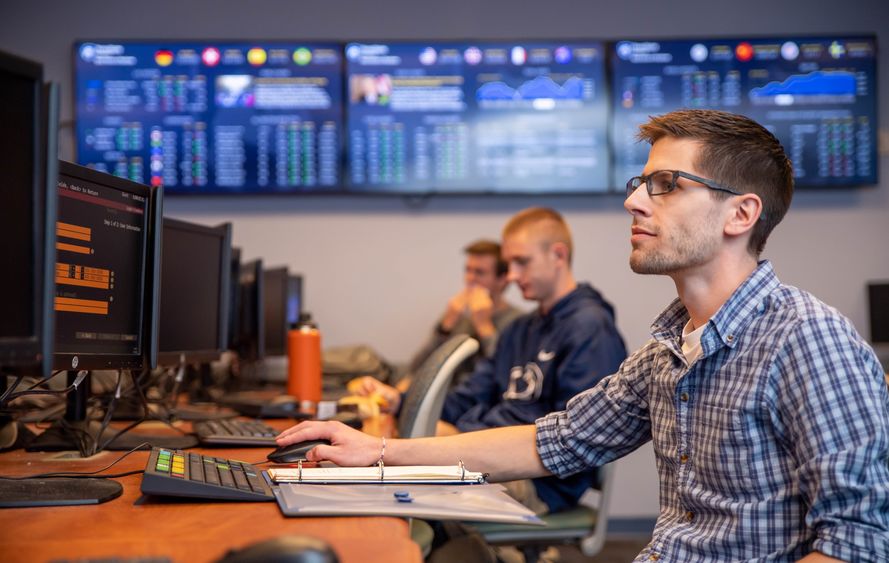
{"x": 105, "y": 241}
{"x": 251, "y": 334}
{"x": 878, "y": 308}
{"x": 106, "y": 297}
{"x": 294, "y": 299}
{"x": 204, "y": 117}
{"x": 818, "y": 95}
{"x": 194, "y": 292}
{"x": 275, "y": 296}
{"x": 234, "y": 303}
{"x": 28, "y": 160}
{"x": 506, "y": 117}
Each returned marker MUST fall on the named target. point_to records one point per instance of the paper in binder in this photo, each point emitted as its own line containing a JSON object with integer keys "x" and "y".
{"x": 376, "y": 474}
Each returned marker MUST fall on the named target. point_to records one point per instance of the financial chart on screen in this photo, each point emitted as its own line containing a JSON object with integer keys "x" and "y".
{"x": 817, "y": 95}
{"x": 100, "y": 245}
{"x": 212, "y": 117}
{"x": 484, "y": 117}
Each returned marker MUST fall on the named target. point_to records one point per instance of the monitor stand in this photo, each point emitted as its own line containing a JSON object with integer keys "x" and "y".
{"x": 76, "y": 432}
{"x": 16, "y": 493}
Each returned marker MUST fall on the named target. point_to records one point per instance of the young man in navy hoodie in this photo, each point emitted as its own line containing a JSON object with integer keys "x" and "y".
{"x": 543, "y": 358}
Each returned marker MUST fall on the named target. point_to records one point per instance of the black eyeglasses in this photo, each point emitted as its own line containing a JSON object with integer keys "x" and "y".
{"x": 662, "y": 182}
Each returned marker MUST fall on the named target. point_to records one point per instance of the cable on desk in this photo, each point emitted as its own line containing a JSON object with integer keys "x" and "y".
{"x": 87, "y": 474}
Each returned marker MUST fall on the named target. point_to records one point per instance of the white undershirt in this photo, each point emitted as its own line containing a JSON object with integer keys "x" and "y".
{"x": 691, "y": 342}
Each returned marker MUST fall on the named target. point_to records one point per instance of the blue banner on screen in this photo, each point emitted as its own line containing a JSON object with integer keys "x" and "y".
{"x": 473, "y": 118}
{"x": 817, "y": 95}
{"x": 212, "y": 117}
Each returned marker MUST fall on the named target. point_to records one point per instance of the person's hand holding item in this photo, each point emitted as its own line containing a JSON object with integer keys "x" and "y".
{"x": 456, "y": 308}
{"x": 388, "y": 397}
{"x": 348, "y": 447}
{"x": 481, "y": 310}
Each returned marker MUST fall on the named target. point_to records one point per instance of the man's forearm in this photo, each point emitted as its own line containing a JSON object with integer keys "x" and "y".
{"x": 504, "y": 453}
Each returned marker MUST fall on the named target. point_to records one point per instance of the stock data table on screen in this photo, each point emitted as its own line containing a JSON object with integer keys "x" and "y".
{"x": 817, "y": 95}
{"x": 211, "y": 117}
{"x": 459, "y": 117}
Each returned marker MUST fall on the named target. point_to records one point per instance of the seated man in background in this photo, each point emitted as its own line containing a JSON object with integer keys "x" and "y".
{"x": 543, "y": 358}
{"x": 479, "y": 309}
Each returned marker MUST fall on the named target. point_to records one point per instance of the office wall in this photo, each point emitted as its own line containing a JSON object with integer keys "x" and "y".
{"x": 378, "y": 270}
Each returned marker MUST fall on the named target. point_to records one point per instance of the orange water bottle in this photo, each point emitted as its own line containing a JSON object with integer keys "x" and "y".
{"x": 304, "y": 363}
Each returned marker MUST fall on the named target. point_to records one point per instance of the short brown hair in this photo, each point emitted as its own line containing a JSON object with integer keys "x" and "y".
{"x": 736, "y": 152}
{"x": 547, "y": 221}
{"x": 485, "y": 247}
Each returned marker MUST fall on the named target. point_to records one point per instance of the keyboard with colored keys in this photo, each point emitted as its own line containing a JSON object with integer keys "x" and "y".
{"x": 185, "y": 474}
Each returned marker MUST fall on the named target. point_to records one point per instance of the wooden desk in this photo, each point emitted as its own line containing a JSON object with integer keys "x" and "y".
{"x": 134, "y": 525}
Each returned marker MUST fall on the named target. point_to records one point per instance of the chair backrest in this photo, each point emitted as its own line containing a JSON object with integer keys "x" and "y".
{"x": 424, "y": 400}
{"x": 592, "y": 543}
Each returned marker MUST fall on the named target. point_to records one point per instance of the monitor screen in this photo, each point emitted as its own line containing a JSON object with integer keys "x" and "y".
{"x": 29, "y": 113}
{"x": 817, "y": 95}
{"x": 275, "y": 290}
{"x": 294, "y": 299}
{"x": 102, "y": 276}
{"x": 519, "y": 117}
{"x": 878, "y": 311}
{"x": 211, "y": 117}
{"x": 194, "y": 302}
{"x": 251, "y": 332}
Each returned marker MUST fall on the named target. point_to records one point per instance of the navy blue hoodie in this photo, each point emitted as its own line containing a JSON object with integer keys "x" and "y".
{"x": 541, "y": 361}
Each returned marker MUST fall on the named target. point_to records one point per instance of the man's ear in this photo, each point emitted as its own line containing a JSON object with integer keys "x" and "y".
{"x": 559, "y": 250}
{"x": 745, "y": 212}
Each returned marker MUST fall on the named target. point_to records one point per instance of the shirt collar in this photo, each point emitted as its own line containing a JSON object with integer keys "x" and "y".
{"x": 748, "y": 300}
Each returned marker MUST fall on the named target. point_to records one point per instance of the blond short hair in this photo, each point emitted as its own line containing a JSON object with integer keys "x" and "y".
{"x": 545, "y": 222}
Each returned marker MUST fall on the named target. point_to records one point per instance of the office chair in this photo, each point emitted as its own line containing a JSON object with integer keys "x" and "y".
{"x": 583, "y": 524}
{"x": 422, "y": 405}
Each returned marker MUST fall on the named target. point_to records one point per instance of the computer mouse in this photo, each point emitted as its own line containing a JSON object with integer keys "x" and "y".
{"x": 285, "y": 549}
{"x": 295, "y": 452}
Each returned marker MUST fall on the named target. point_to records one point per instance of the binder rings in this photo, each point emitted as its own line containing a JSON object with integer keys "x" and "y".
{"x": 377, "y": 474}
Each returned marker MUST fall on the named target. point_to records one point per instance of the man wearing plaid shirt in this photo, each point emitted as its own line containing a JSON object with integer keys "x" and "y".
{"x": 768, "y": 412}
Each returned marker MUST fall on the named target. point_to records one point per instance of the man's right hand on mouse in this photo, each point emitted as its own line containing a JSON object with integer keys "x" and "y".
{"x": 348, "y": 447}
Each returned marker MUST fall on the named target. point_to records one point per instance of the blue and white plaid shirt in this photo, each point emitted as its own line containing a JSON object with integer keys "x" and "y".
{"x": 772, "y": 444}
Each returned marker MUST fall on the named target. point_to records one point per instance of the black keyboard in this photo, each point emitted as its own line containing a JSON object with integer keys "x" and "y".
{"x": 183, "y": 474}
{"x": 235, "y": 432}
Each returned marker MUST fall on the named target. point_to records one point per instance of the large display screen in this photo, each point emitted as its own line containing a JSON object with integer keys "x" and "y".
{"x": 516, "y": 117}
{"x": 817, "y": 95}
{"x": 205, "y": 117}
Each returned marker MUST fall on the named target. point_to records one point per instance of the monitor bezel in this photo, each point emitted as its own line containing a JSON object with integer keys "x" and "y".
{"x": 136, "y": 360}
{"x": 223, "y": 233}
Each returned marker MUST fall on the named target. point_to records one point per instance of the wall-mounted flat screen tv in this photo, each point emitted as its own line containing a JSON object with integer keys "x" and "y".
{"x": 462, "y": 117}
{"x": 818, "y": 95}
{"x": 212, "y": 117}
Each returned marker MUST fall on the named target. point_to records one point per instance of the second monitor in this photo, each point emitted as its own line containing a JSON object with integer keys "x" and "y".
{"x": 194, "y": 292}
